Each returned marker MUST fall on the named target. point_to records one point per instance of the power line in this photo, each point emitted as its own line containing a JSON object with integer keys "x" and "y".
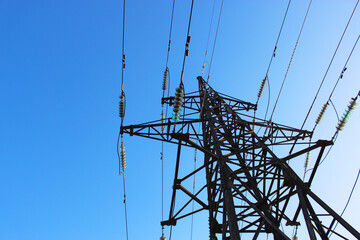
{"x": 123, "y": 49}
{"x": 274, "y": 51}
{"x": 165, "y": 85}
{"x": 208, "y": 39}
{"x": 126, "y": 218}
{"x": 292, "y": 56}
{"x": 213, "y": 49}
{"x": 327, "y": 70}
{"x": 266, "y": 79}
{"x": 171, "y": 24}
{"x": 122, "y": 106}
{"x": 336, "y": 84}
{"x": 347, "y": 203}
{"x": 188, "y": 38}
{"x": 216, "y": 34}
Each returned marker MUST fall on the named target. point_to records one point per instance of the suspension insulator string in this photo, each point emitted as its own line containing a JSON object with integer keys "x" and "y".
{"x": 307, "y": 159}
{"x": 263, "y": 82}
{"x": 306, "y": 163}
{"x": 346, "y": 115}
{"x": 261, "y": 88}
{"x": 177, "y": 104}
{"x": 321, "y": 114}
{"x": 122, "y": 155}
{"x": 122, "y": 106}
{"x": 165, "y": 79}
{"x": 162, "y": 121}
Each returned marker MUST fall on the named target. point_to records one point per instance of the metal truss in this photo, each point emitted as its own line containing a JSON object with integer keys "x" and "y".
{"x": 248, "y": 187}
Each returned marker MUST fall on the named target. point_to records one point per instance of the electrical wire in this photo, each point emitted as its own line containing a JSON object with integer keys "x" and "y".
{"x": 212, "y": 54}
{"x": 216, "y": 34}
{"x": 181, "y": 89}
{"x": 327, "y": 70}
{"x": 347, "y": 203}
{"x": 166, "y": 112}
{"x": 122, "y": 114}
{"x": 126, "y": 218}
{"x": 340, "y": 77}
{"x": 123, "y": 174}
{"x": 292, "y": 56}
{"x": 170, "y": 32}
{"x": 274, "y": 51}
{"x": 268, "y": 68}
{"x": 326, "y": 155}
{"x": 170, "y": 232}
{"x": 208, "y": 39}
{"x": 123, "y": 50}
{"x": 186, "y": 46}
{"x": 336, "y": 112}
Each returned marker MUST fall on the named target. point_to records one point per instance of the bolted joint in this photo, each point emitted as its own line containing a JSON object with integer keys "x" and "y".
{"x": 177, "y": 183}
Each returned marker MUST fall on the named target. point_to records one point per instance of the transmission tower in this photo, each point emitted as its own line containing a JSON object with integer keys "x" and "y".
{"x": 248, "y": 186}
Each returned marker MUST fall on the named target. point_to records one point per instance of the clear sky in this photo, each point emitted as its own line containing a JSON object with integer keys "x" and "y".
{"x": 60, "y": 71}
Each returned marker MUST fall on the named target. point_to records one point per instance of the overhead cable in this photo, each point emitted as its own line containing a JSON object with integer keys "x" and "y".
{"x": 292, "y": 56}
{"x": 213, "y": 50}
{"x": 165, "y": 85}
{"x": 347, "y": 203}
{"x": 327, "y": 70}
{"x": 188, "y": 39}
{"x": 208, "y": 39}
{"x": 122, "y": 106}
{"x": 273, "y": 54}
{"x": 336, "y": 84}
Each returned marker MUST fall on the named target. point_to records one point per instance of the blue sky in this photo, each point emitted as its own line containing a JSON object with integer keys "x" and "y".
{"x": 60, "y": 71}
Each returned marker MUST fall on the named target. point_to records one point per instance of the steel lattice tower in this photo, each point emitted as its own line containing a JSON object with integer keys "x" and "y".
{"x": 248, "y": 187}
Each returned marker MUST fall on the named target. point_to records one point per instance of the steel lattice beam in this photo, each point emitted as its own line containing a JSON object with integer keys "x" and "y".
{"x": 248, "y": 187}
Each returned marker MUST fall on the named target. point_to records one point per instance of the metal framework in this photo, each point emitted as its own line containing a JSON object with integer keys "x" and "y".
{"x": 248, "y": 188}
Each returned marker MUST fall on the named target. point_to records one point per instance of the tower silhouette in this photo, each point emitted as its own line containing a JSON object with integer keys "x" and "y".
{"x": 248, "y": 186}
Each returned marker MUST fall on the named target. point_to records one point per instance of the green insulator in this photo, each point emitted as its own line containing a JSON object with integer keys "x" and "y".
{"x": 346, "y": 114}
{"x": 321, "y": 114}
{"x": 261, "y": 87}
{"x": 122, "y": 157}
{"x": 295, "y": 238}
{"x": 122, "y": 106}
{"x": 165, "y": 79}
{"x": 175, "y": 116}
